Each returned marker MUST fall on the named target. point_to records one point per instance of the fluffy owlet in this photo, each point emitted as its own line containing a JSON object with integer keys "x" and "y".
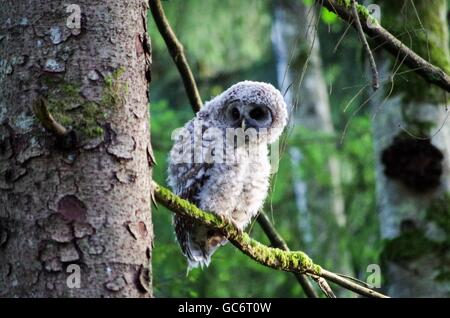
{"x": 220, "y": 162}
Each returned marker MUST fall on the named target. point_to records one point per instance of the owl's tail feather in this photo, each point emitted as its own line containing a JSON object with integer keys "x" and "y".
{"x": 200, "y": 257}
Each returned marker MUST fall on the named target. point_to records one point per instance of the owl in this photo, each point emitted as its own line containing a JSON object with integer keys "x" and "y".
{"x": 220, "y": 162}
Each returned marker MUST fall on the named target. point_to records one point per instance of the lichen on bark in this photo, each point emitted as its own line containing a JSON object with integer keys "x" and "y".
{"x": 439, "y": 212}
{"x": 416, "y": 243}
{"x": 70, "y": 108}
{"x": 408, "y": 246}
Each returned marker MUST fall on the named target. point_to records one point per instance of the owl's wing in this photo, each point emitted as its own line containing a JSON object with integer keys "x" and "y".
{"x": 190, "y": 180}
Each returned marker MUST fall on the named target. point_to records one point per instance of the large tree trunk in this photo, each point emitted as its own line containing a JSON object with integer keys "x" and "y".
{"x": 412, "y": 143}
{"x": 75, "y": 209}
{"x": 300, "y": 78}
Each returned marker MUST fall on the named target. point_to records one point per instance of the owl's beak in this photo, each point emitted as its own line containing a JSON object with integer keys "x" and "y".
{"x": 243, "y": 124}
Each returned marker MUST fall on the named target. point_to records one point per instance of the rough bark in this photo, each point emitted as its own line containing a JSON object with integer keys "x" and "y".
{"x": 85, "y": 202}
{"x": 412, "y": 143}
{"x": 301, "y": 79}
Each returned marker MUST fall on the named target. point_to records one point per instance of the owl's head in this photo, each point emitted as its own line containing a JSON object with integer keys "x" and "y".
{"x": 247, "y": 105}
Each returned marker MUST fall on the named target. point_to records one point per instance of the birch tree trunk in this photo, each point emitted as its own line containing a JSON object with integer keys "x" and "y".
{"x": 75, "y": 210}
{"x": 412, "y": 144}
{"x": 300, "y": 78}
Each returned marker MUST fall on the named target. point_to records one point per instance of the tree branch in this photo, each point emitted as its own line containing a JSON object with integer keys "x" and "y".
{"x": 50, "y": 124}
{"x": 290, "y": 261}
{"x": 373, "y": 65}
{"x": 277, "y": 241}
{"x": 177, "y": 52}
{"x": 66, "y": 138}
{"x": 382, "y": 37}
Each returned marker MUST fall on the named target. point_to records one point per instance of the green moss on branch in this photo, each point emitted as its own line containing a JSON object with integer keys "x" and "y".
{"x": 362, "y": 10}
{"x": 289, "y": 261}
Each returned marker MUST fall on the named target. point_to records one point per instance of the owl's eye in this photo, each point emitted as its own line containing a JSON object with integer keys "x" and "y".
{"x": 235, "y": 114}
{"x": 259, "y": 116}
{"x": 258, "y": 113}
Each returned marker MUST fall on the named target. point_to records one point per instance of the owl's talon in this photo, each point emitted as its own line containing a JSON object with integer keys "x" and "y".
{"x": 229, "y": 219}
{"x": 239, "y": 230}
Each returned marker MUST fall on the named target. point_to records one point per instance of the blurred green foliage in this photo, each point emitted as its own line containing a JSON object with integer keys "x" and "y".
{"x": 237, "y": 28}
{"x": 229, "y": 41}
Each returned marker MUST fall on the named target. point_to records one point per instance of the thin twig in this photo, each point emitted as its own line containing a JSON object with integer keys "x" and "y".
{"x": 277, "y": 241}
{"x": 66, "y": 139}
{"x": 177, "y": 52}
{"x": 50, "y": 124}
{"x": 355, "y": 280}
{"x": 431, "y": 73}
{"x": 290, "y": 261}
{"x": 326, "y": 289}
{"x": 351, "y": 285}
{"x": 362, "y": 36}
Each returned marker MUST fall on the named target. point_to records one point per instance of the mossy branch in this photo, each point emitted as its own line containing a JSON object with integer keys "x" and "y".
{"x": 290, "y": 261}
{"x": 268, "y": 256}
{"x": 383, "y": 38}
